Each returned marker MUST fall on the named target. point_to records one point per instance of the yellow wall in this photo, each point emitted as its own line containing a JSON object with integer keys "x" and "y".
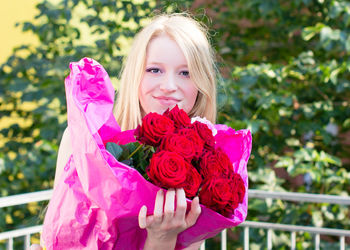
{"x": 13, "y": 11}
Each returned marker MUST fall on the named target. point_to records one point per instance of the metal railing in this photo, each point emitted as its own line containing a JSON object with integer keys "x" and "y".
{"x": 258, "y": 194}
{"x": 293, "y": 229}
{"x": 21, "y": 199}
{"x": 296, "y": 197}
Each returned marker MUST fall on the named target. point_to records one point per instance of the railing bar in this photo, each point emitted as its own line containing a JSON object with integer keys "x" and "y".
{"x": 10, "y": 243}
{"x": 317, "y": 242}
{"x": 27, "y": 241}
{"x": 224, "y": 239}
{"x": 269, "y": 239}
{"x": 285, "y": 227}
{"x": 246, "y": 238}
{"x": 288, "y": 196}
{"x": 203, "y": 246}
{"x": 293, "y": 240}
{"x": 20, "y": 199}
{"x": 20, "y": 232}
{"x": 253, "y": 193}
{"x": 299, "y": 197}
{"x": 342, "y": 242}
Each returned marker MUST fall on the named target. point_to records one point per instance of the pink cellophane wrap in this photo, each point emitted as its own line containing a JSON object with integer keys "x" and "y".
{"x": 96, "y": 202}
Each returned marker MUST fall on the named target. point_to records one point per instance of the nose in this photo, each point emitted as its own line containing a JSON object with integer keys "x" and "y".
{"x": 168, "y": 83}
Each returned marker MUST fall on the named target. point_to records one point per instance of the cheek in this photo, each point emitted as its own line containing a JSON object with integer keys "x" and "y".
{"x": 191, "y": 96}
{"x": 147, "y": 85}
{"x": 142, "y": 93}
{"x": 143, "y": 88}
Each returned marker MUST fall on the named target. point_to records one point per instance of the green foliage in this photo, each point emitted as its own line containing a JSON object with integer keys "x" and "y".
{"x": 285, "y": 68}
{"x": 133, "y": 154}
{"x": 287, "y": 78}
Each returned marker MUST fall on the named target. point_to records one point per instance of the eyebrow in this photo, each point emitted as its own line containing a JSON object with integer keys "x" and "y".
{"x": 159, "y": 63}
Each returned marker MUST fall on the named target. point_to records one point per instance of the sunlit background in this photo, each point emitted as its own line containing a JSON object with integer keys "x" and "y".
{"x": 11, "y": 13}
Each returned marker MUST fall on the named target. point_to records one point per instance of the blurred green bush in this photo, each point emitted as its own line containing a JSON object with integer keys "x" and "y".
{"x": 285, "y": 75}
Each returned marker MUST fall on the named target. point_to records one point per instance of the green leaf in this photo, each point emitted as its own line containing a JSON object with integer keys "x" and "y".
{"x": 335, "y": 10}
{"x": 317, "y": 218}
{"x": 346, "y": 123}
{"x": 325, "y": 34}
{"x": 347, "y": 44}
{"x": 284, "y": 162}
{"x": 330, "y": 159}
{"x": 2, "y": 165}
{"x": 346, "y": 18}
{"x": 308, "y": 33}
{"x": 114, "y": 149}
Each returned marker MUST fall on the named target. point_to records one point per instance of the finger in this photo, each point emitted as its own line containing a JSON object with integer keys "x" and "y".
{"x": 195, "y": 211}
{"x": 169, "y": 205}
{"x": 143, "y": 217}
{"x": 181, "y": 204}
{"x": 35, "y": 247}
{"x": 158, "y": 207}
{"x": 149, "y": 220}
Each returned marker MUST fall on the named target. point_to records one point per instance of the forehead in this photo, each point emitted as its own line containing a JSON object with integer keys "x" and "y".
{"x": 163, "y": 49}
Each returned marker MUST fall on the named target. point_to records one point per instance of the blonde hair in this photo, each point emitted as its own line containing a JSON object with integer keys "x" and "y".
{"x": 191, "y": 37}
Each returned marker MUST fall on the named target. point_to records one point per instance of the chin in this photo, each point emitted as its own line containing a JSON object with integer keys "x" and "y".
{"x": 158, "y": 111}
{"x": 163, "y": 109}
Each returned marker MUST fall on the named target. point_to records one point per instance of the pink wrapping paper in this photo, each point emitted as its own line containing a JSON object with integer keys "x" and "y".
{"x": 97, "y": 200}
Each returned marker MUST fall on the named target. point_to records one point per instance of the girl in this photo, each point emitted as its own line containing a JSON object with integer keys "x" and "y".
{"x": 170, "y": 63}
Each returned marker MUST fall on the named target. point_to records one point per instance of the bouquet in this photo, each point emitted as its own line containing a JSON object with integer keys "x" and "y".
{"x": 97, "y": 199}
{"x": 174, "y": 152}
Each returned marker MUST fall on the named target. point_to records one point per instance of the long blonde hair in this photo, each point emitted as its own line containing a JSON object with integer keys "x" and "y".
{"x": 192, "y": 39}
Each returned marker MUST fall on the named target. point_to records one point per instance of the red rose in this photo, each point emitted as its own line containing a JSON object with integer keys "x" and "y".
{"x": 215, "y": 163}
{"x": 193, "y": 181}
{"x": 222, "y": 195}
{"x": 216, "y": 193}
{"x": 153, "y": 128}
{"x": 193, "y": 136}
{"x": 205, "y": 133}
{"x": 168, "y": 169}
{"x": 179, "y": 144}
{"x": 239, "y": 188}
{"x": 179, "y": 116}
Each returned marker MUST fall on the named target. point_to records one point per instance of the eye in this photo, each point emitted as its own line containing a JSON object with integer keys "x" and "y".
{"x": 185, "y": 73}
{"x": 153, "y": 70}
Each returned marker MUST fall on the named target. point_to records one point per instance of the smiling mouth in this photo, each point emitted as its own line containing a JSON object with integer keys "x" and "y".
{"x": 167, "y": 101}
{"x": 166, "y": 98}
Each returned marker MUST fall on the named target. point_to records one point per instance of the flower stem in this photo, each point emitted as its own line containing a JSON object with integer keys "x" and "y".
{"x": 137, "y": 149}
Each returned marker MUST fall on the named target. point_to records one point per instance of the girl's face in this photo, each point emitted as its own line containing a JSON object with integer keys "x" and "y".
{"x": 166, "y": 80}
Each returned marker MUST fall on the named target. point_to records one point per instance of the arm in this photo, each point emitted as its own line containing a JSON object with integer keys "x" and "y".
{"x": 165, "y": 224}
{"x": 64, "y": 152}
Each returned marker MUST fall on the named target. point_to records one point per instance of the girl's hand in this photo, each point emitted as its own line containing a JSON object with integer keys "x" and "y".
{"x": 165, "y": 224}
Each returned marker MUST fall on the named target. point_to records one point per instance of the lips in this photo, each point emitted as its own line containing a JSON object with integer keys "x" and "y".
{"x": 166, "y": 100}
